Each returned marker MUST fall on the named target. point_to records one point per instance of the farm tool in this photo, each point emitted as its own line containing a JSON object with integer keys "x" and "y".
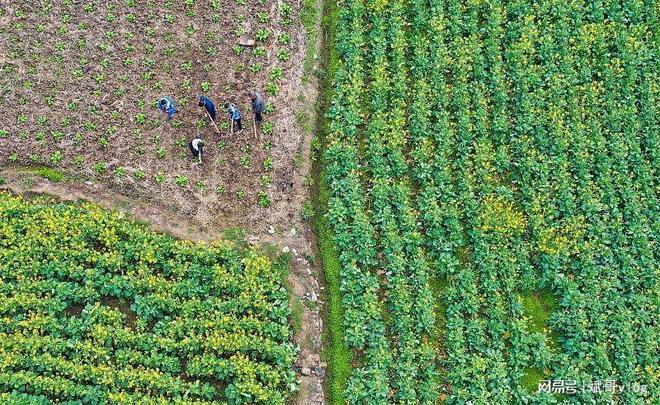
{"x": 213, "y": 122}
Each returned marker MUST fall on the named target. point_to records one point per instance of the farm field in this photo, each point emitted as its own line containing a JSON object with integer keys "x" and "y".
{"x": 95, "y": 308}
{"x": 448, "y": 201}
{"x": 80, "y": 81}
{"x": 492, "y": 179}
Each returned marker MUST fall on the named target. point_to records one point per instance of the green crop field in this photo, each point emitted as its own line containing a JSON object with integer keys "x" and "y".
{"x": 98, "y": 309}
{"x": 492, "y": 170}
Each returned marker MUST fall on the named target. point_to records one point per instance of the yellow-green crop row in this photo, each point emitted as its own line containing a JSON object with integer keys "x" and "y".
{"x": 95, "y": 308}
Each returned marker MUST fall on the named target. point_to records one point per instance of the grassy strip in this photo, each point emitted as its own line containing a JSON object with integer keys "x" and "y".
{"x": 438, "y": 286}
{"x": 309, "y": 16}
{"x": 335, "y": 353}
{"x": 530, "y": 379}
{"x": 48, "y": 173}
{"x": 281, "y": 264}
{"x": 538, "y": 307}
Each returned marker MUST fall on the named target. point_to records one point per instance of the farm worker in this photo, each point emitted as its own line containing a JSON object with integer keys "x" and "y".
{"x": 196, "y": 146}
{"x": 208, "y": 106}
{"x": 235, "y": 116}
{"x": 257, "y": 106}
{"x": 166, "y": 104}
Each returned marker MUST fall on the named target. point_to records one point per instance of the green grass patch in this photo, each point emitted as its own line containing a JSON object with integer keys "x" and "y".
{"x": 309, "y": 16}
{"x": 538, "y": 306}
{"x": 438, "y": 285}
{"x": 297, "y": 310}
{"x": 336, "y": 354}
{"x": 281, "y": 264}
{"x": 530, "y": 379}
{"x": 236, "y": 235}
{"x": 48, "y": 173}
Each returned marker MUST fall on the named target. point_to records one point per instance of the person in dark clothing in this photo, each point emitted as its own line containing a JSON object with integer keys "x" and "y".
{"x": 258, "y": 106}
{"x": 208, "y": 106}
{"x": 196, "y": 146}
{"x": 235, "y": 115}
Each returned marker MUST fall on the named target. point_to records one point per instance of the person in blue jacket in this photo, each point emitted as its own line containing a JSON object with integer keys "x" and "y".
{"x": 235, "y": 115}
{"x": 167, "y": 105}
{"x": 208, "y": 106}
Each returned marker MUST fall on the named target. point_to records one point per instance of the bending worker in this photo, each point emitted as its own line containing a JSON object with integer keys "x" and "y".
{"x": 258, "y": 106}
{"x": 166, "y": 104}
{"x": 196, "y": 146}
{"x": 235, "y": 116}
{"x": 208, "y": 106}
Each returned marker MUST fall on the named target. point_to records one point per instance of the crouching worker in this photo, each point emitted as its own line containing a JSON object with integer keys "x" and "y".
{"x": 196, "y": 146}
{"x": 235, "y": 117}
{"x": 166, "y": 105}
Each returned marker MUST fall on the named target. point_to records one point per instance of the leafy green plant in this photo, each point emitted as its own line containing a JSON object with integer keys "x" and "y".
{"x": 49, "y": 174}
{"x": 159, "y": 178}
{"x": 245, "y": 161}
{"x": 268, "y": 164}
{"x": 264, "y": 200}
{"x": 267, "y": 128}
{"x": 283, "y": 55}
{"x": 262, "y": 35}
{"x": 272, "y": 89}
{"x": 99, "y": 168}
{"x": 283, "y": 38}
{"x": 181, "y": 181}
{"x": 263, "y": 17}
{"x": 56, "y": 157}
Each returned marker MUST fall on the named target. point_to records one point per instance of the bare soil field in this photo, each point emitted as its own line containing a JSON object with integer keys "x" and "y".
{"x": 81, "y": 79}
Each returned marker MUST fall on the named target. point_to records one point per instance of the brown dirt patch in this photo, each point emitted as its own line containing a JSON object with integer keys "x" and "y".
{"x": 80, "y": 89}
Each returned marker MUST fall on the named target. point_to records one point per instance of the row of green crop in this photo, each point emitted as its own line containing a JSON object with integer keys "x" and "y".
{"x": 506, "y": 147}
{"x": 477, "y": 228}
{"x": 409, "y": 301}
{"x": 347, "y": 214}
{"x": 98, "y": 309}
